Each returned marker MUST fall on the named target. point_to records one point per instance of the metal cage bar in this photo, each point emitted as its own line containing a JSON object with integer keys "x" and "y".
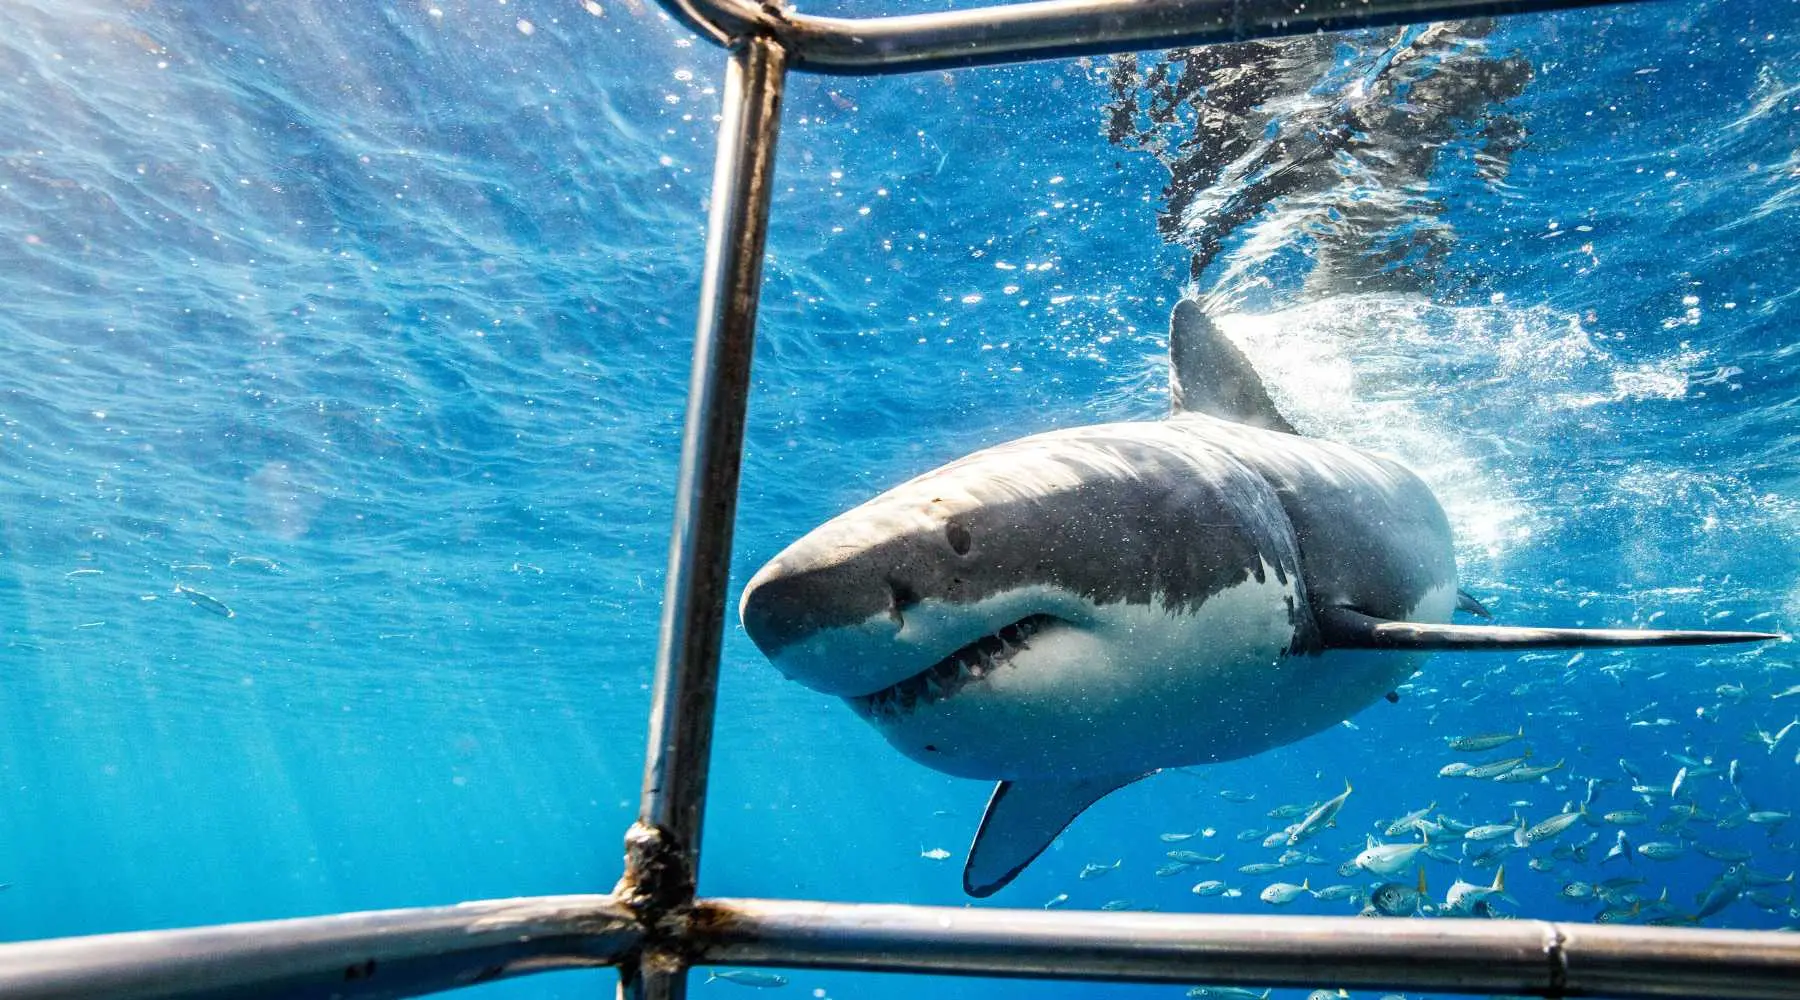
{"x": 663, "y": 847}
{"x": 1463, "y": 956}
{"x": 653, "y": 927}
{"x": 687, "y": 661}
{"x": 1051, "y": 29}
{"x": 354, "y": 956}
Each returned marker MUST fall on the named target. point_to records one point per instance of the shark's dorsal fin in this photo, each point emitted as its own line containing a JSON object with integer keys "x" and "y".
{"x": 1342, "y": 628}
{"x": 1022, "y": 818}
{"x": 1208, "y": 374}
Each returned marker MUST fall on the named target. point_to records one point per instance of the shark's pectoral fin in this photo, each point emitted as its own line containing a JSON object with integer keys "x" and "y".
{"x": 1466, "y": 602}
{"x": 1208, "y": 374}
{"x": 1022, "y": 819}
{"x": 1342, "y": 628}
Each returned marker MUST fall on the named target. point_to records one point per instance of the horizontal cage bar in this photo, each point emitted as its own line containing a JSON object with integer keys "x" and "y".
{"x": 385, "y": 953}
{"x": 396, "y": 953}
{"x": 1464, "y": 956}
{"x": 1052, "y": 29}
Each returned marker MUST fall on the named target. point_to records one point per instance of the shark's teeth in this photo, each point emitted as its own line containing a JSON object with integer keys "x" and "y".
{"x": 943, "y": 679}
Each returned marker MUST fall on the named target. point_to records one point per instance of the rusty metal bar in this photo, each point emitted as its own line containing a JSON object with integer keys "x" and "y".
{"x": 663, "y": 847}
{"x": 387, "y": 953}
{"x": 687, "y": 661}
{"x": 1514, "y": 957}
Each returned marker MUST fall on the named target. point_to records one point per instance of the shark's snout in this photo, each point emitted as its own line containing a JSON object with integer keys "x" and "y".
{"x": 786, "y": 603}
{"x": 834, "y": 626}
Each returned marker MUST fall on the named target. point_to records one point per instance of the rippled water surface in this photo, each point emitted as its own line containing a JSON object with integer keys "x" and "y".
{"x": 344, "y": 350}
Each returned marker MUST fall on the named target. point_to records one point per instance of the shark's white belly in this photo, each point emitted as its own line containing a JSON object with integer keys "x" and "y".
{"x": 1133, "y": 688}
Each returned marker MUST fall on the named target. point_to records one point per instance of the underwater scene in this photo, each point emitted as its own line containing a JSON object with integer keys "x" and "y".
{"x": 345, "y": 351}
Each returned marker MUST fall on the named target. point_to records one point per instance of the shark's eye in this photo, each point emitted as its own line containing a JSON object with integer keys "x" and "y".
{"x": 960, "y": 539}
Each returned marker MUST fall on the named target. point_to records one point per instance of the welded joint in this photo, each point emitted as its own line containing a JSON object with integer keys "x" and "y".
{"x": 775, "y": 17}
{"x": 658, "y": 889}
{"x": 659, "y": 875}
{"x": 1557, "y": 953}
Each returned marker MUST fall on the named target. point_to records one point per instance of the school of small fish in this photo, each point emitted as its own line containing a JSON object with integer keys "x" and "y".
{"x": 1612, "y": 839}
{"x": 195, "y": 596}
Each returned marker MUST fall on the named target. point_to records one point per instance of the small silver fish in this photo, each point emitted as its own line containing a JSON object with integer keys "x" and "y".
{"x": 1494, "y": 831}
{"x": 1621, "y": 849}
{"x": 1523, "y": 773}
{"x": 1464, "y": 895}
{"x": 259, "y": 562}
{"x": 1723, "y": 891}
{"x": 1552, "y": 827}
{"x": 1096, "y": 870}
{"x": 1483, "y": 741}
{"x": 1321, "y": 817}
{"x": 1661, "y": 850}
{"x": 205, "y": 602}
{"x": 746, "y": 977}
{"x": 1754, "y": 877}
{"x": 1578, "y": 890}
{"x": 1283, "y": 893}
{"x": 1408, "y": 822}
{"x": 1763, "y": 899}
{"x": 1495, "y": 768}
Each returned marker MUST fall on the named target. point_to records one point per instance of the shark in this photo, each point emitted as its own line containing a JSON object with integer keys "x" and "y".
{"x": 1072, "y": 611}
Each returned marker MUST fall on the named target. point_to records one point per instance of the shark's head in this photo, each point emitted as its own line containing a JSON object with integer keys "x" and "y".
{"x": 1035, "y": 609}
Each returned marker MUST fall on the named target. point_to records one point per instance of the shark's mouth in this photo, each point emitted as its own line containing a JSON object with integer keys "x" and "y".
{"x": 943, "y": 679}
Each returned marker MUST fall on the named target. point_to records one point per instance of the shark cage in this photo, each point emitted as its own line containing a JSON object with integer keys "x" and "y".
{"x": 652, "y": 927}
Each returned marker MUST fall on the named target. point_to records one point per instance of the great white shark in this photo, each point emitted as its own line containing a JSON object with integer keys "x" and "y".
{"x": 1072, "y": 611}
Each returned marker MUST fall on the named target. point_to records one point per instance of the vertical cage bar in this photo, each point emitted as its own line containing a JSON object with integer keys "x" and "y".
{"x": 663, "y": 847}
{"x": 687, "y": 662}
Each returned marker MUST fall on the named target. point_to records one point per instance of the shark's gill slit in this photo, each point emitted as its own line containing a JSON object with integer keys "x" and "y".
{"x": 951, "y": 674}
{"x": 900, "y": 598}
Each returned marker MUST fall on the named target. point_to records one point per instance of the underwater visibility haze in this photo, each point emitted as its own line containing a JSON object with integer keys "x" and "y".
{"x": 345, "y": 355}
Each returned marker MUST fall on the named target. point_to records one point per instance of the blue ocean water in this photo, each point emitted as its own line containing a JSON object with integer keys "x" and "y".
{"x": 370, "y": 324}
